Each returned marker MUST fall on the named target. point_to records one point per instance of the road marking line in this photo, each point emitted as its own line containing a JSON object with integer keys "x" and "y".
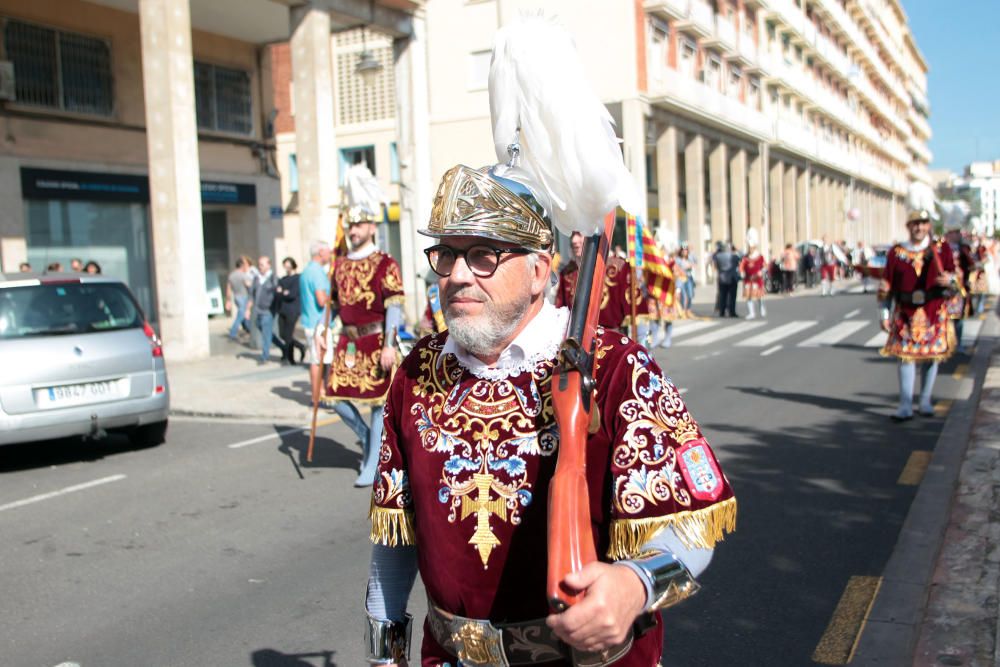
{"x": 970, "y": 332}
{"x": 840, "y": 640}
{"x": 722, "y": 334}
{"x": 683, "y": 390}
{"x": 278, "y": 434}
{"x": 960, "y": 371}
{"x": 878, "y": 340}
{"x": 915, "y": 468}
{"x": 834, "y": 334}
{"x": 852, "y": 313}
{"x": 770, "y": 351}
{"x": 942, "y": 407}
{"x": 774, "y": 335}
{"x": 690, "y": 326}
{"x": 61, "y": 492}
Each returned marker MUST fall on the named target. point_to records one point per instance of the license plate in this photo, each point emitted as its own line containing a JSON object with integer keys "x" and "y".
{"x": 78, "y": 394}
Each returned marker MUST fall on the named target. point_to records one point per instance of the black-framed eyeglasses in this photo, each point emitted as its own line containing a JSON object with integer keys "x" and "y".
{"x": 482, "y": 260}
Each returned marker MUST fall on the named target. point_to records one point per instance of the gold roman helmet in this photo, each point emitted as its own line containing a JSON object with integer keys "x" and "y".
{"x": 918, "y": 215}
{"x": 482, "y": 202}
{"x": 360, "y": 213}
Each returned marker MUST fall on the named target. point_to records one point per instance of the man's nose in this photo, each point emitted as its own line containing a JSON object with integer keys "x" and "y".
{"x": 461, "y": 273}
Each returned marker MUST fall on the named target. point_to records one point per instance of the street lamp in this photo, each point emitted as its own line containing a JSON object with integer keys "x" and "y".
{"x": 368, "y": 67}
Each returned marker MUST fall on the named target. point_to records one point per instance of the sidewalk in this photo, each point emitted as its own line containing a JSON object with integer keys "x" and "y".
{"x": 231, "y": 384}
{"x": 938, "y": 603}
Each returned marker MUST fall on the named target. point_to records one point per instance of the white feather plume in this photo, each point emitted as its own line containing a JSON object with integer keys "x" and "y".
{"x": 567, "y": 138}
{"x": 920, "y": 196}
{"x": 753, "y": 238}
{"x": 361, "y": 190}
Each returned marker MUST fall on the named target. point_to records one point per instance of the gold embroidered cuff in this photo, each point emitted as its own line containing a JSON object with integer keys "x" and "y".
{"x": 397, "y": 300}
{"x": 700, "y": 529}
{"x": 391, "y": 527}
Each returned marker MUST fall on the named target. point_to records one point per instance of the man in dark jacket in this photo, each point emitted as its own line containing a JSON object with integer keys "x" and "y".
{"x": 262, "y": 298}
{"x": 727, "y": 264}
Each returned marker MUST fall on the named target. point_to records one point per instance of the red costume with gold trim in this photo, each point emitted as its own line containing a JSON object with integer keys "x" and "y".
{"x": 566, "y": 290}
{"x": 919, "y": 326}
{"x": 466, "y": 462}
{"x": 958, "y": 304}
{"x": 616, "y": 299}
{"x": 364, "y": 289}
{"x": 752, "y": 268}
{"x": 979, "y": 280}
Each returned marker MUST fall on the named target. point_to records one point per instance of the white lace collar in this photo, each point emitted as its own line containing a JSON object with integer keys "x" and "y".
{"x": 916, "y": 247}
{"x": 538, "y": 341}
{"x": 362, "y": 252}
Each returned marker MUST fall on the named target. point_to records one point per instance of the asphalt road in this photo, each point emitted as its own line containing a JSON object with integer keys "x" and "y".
{"x": 224, "y": 547}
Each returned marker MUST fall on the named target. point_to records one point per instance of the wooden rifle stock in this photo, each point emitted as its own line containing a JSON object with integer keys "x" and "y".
{"x": 570, "y": 540}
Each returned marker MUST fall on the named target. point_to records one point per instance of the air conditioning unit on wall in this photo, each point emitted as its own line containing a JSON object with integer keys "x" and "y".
{"x": 7, "y": 91}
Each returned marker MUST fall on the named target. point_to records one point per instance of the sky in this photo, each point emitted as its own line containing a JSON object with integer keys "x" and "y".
{"x": 960, "y": 40}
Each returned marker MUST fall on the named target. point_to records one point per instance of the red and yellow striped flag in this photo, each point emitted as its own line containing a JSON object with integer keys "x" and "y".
{"x": 655, "y": 269}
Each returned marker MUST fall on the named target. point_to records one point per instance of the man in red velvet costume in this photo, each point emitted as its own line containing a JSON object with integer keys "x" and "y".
{"x": 566, "y": 289}
{"x": 752, "y": 268}
{"x": 368, "y": 291}
{"x": 914, "y": 293}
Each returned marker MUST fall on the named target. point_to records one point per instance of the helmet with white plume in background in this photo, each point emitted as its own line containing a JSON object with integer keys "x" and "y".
{"x": 362, "y": 198}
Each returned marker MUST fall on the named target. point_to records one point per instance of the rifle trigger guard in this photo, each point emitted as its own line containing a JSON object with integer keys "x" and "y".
{"x": 574, "y": 357}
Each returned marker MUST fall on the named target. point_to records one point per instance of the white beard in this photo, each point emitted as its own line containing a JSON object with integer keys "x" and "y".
{"x": 482, "y": 335}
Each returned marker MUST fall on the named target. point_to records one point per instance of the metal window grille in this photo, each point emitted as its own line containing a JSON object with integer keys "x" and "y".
{"x": 59, "y": 70}
{"x": 222, "y": 99}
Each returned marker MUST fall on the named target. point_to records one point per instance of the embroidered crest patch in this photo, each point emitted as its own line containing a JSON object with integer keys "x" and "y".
{"x": 700, "y": 470}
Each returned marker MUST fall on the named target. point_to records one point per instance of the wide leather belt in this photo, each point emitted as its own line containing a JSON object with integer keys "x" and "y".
{"x": 920, "y": 297}
{"x": 479, "y": 643}
{"x": 353, "y": 333}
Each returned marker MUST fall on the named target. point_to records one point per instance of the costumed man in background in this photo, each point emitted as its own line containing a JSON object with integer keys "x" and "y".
{"x": 979, "y": 285}
{"x": 471, "y": 441}
{"x": 827, "y": 266}
{"x": 367, "y": 291}
{"x": 566, "y": 289}
{"x": 914, "y": 293}
{"x": 965, "y": 264}
{"x": 752, "y": 268}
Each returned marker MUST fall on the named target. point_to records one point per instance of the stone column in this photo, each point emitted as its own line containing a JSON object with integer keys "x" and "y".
{"x": 756, "y": 198}
{"x": 666, "y": 180}
{"x": 776, "y": 210}
{"x": 791, "y": 209}
{"x": 738, "y": 188}
{"x": 718, "y": 192}
{"x": 174, "y": 178}
{"x": 694, "y": 188}
{"x": 315, "y": 145}
{"x": 413, "y": 147}
{"x": 817, "y": 221}
{"x": 634, "y": 141}
{"x": 802, "y": 196}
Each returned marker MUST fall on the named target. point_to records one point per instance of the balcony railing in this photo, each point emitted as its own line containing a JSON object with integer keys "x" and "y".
{"x": 677, "y": 9}
{"x": 748, "y": 49}
{"x": 725, "y": 32}
{"x": 702, "y": 17}
{"x": 675, "y": 88}
{"x": 920, "y": 123}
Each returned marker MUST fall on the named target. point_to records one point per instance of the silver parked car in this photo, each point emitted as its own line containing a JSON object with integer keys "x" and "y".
{"x": 77, "y": 357}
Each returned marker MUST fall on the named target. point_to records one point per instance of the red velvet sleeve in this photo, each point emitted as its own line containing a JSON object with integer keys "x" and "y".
{"x": 391, "y": 510}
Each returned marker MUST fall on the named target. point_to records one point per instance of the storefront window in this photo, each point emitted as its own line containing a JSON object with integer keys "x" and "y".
{"x": 115, "y": 235}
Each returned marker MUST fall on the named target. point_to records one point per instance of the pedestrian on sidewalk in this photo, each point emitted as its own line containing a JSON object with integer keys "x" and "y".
{"x": 685, "y": 279}
{"x": 789, "y": 265}
{"x": 914, "y": 296}
{"x": 314, "y": 296}
{"x": 262, "y": 298}
{"x": 289, "y": 309}
{"x": 368, "y": 291}
{"x": 727, "y": 272}
{"x": 237, "y": 295}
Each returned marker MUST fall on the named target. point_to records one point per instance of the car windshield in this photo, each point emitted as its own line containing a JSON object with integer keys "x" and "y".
{"x": 66, "y": 308}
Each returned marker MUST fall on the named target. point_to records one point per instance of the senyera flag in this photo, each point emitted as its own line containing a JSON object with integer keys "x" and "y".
{"x": 647, "y": 255}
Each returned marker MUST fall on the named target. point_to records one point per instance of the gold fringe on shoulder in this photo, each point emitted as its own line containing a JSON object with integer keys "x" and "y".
{"x": 700, "y": 529}
{"x": 391, "y": 527}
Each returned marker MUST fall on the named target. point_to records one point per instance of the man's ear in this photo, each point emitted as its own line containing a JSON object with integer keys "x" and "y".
{"x": 540, "y": 275}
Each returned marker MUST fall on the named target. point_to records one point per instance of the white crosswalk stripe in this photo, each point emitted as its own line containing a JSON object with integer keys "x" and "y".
{"x": 970, "y": 331}
{"x": 835, "y": 334}
{"x": 778, "y": 333}
{"x": 685, "y": 327}
{"x": 878, "y": 340}
{"x": 721, "y": 334}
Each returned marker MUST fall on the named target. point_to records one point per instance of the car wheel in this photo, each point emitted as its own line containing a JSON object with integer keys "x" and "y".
{"x": 149, "y": 435}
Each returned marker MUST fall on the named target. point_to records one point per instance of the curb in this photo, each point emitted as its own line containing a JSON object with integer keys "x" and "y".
{"x": 238, "y": 416}
{"x": 893, "y": 626}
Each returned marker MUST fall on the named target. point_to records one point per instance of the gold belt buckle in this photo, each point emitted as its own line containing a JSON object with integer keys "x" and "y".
{"x": 478, "y": 645}
{"x": 919, "y": 297}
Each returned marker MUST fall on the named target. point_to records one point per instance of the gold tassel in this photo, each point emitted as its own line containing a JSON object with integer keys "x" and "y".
{"x": 699, "y": 529}
{"x": 391, "y": 527}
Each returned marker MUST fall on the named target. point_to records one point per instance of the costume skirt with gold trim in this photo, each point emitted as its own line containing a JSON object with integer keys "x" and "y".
{"x": 753, "y": 288}
{"x": 356, "y": 372}
{"x": 921, "y": 333}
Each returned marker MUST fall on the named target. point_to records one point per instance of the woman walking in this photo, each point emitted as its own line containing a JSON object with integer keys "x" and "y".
{"x": 685, "y": 279}
{"x": 289, "y": 309}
